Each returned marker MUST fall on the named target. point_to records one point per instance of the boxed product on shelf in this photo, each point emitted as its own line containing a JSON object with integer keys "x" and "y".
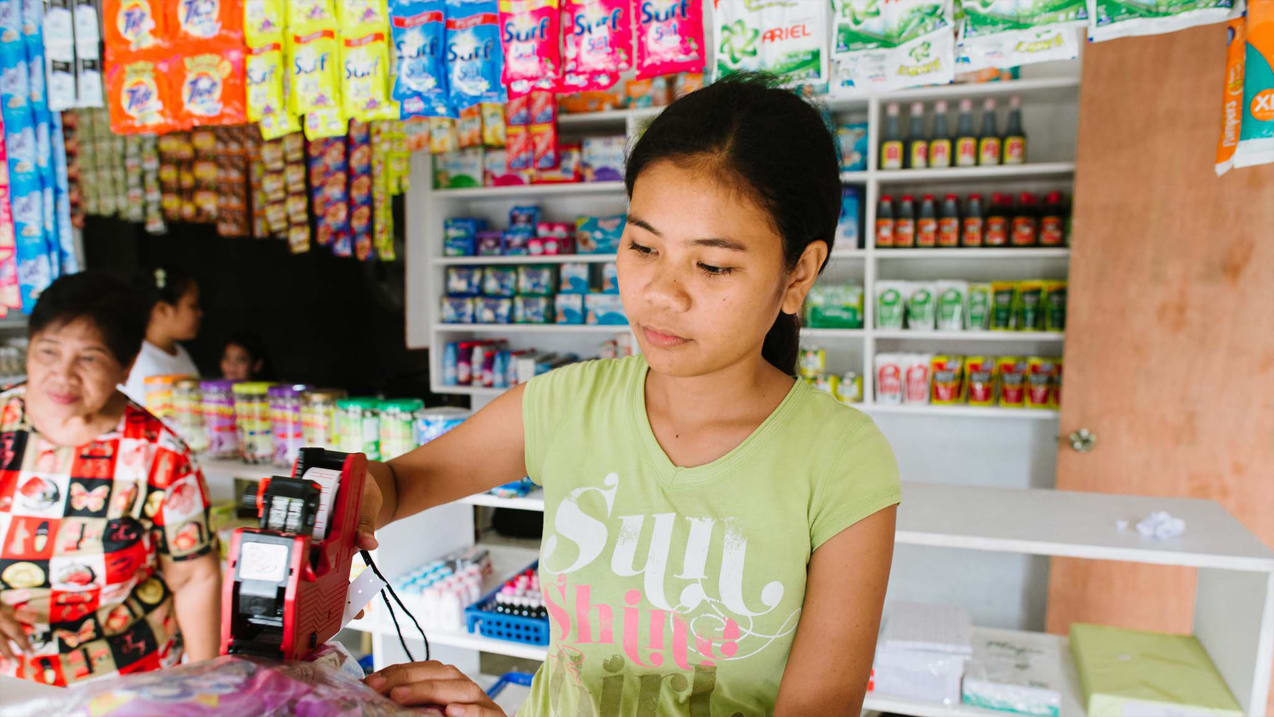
{"x": 922, "y": 651}
{"x": 1005, "y": 381}
{"x": 460, "y": 235}
{"x": 533, "y": 310}
{"x": 524, "y": 215}
{"x": 496, "y": 172}
{"x": 489, "y": 243}
{"x": 516, "y": 241}
{"x": 573, "y": 278}
{"x": 891, "y": 307}
{"x": 948, "y": 380}
{"x": 500, "y": 280}
{"x": 604, "y": 309}
{"x": 429, "y": 423}
{"x": 536, "y": 279}
{"x": 493, "y": 310}
{"x": 610, "y": 278}
{"x": 457, "y": 310}
{"x": 958, "y": 305}
{"x": 834, "y": 306}
{"x": 847, "y": 388}
{"x": 811, "y": 362}
{"x": 599, "y": 235}
{"x": 852, "y": 138}
{"x": 603, "y": 158}
{"x": 847, "y": 229}
{"x": 1124, "y": 671}
{"x": 464, "y": 280}
{"x": 457, "y": 170}
{"x": 1019, "y": 673}
{"x": 570, "y": 308}
{"x": 566, "y": 169}
{"x": 552, "y": 239}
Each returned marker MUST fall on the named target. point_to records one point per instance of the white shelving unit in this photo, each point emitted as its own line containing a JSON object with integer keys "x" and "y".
{"x": 1234, "y": 613}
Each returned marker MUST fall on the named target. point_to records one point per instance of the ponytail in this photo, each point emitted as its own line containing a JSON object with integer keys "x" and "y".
{"x": 782, "y": 343}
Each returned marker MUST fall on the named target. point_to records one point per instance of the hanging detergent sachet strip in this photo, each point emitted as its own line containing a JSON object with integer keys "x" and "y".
{"x": 1231, "y": 95}
{"x": 264, "y": 22}
{"x": 210, "y": 79}
{"x": 9, "y": 293}
{"x": 1018, "y": 47}
{"x": 314, "y": 71}
{"x": 358, "y": 16}
{"x": 1256, "y": 136}
{"x": 787, "y": 39}
{"x": 139, "y": 97}
{"x": 981, "y": 18}
{"x": 598, "y": 39}
{"x": 529, "y": 31}
{"x": 669, "y": 36}
{"x": 886, "y": 46}
{"x": 59, "y": 54}
{"x": 306, "y": 16}
{"x": 1110, "y": 19}
{"x": 474, "y": 60}
{"x": 196, "y": 20}
{"x": 68, "y": 263}
{"x": 33, "y": 40}
{"x": 88, "y": 60}
{"x": 420, "y": 81}
{"x": 365, "y": 77}
{"x": 132, "y": 25}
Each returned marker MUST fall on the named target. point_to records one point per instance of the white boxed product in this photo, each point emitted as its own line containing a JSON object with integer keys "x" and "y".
{"x": 1018, "y": 672}
{"x": 922, "y": 651}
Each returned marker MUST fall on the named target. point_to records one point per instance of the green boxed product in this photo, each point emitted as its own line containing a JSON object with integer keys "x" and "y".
{"x": 1003, "y": 302}
{"x": 979, "y": 307}
{"x": 834, "y": 306}
{"x": 1134, "y": 672}
{"x": 1055, "y": 305}
{"x": 891, "y": 304}
{"x": 1029, "y": 308}
{"x": 922, "y": 309}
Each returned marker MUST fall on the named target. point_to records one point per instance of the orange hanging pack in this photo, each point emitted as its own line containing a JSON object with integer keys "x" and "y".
{"x": 198, "y": 20}
{"x": 132, "y": 26}
{"x": 209, "y": 85}
{"x": 138, "y": 94}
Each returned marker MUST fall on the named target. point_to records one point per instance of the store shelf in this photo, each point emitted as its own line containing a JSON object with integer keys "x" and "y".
{"x": 832, "y": 333}
{"x": 532, "y": 190}
{"x": 843, "y": 254}
{"x": 957, "y": 174}
{"x": 986, "y": 336}
{"x": 219, "y": 474}
{"x": 1074, "y": 524}
{"x": 534, "y": 328}
{"x": 468, "y": 391}
{"x": 528, "y": 259}
{"x": 531, "y": 501}
{"x": 855, "y": 177}
{"x": 1033, "y": 414}
{"x": 976, "y": 254}
{"x": 1031, "y": 89}
{"x": 1072, "y": 705}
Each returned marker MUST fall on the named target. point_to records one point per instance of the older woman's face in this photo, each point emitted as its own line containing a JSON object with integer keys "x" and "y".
{"x": 71, "y": 371}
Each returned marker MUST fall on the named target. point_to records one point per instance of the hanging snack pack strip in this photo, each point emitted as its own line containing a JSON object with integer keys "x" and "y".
{"x": 1256, "y": 136}
{"x": 359, "y": 147}
{"x": 294, "y": 171}
{"x": 789, "y": 40}
{"x": 597, "y": 37}
{"x": 1111, "y": 19}
{"x": 893, "y": 45}
{"x": 529, "y": 31}
{"x": 474, "y": 61}
{"x": 420, "y": 79}
{"x": 669, "y": 37}
{"x": 1231, "y": 95}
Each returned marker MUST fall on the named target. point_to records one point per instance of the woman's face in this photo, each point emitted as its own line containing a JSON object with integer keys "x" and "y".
{"x": 237, "y": 363}
{"x": 182, "y": 320}
{"x": 701, "y": 271}
{"x": 71, "y": 371}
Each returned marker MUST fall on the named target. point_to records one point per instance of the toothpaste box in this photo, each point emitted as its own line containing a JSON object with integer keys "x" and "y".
{"x": 604, "y": 309}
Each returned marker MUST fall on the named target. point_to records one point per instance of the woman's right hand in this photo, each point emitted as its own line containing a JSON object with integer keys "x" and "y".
{"x": 13, "y": 630}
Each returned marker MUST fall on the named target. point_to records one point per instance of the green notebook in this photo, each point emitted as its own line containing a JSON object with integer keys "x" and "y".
{"x": 1131, "y": 671}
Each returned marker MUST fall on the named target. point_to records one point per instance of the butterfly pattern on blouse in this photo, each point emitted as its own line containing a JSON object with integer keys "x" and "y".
{"x": 89, "y": 500}
{"x": 86, "y": 633}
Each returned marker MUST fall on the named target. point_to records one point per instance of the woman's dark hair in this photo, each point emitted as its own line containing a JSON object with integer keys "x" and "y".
{"x": 114, "y": 307}
{"x": 776, "y": 147}
{"x": 252, "y": 343}
{"x": 166, "y": 283}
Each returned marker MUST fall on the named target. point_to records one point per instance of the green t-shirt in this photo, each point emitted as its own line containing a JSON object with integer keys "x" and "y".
{"x": 677, "y": 591}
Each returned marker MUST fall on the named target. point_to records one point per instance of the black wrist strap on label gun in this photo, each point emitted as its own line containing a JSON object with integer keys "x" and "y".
{"x": 367, "y": 558}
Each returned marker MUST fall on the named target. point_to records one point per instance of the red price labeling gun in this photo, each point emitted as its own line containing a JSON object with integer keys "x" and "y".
{"x": 287, "y": 581}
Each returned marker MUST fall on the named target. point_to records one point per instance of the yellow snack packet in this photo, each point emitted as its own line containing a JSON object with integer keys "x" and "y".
{"x": 263, "y": 22}
{"x": 365, "y": 77}
{"x": 314, "y": 72}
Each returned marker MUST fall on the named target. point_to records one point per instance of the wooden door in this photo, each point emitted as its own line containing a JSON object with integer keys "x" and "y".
{"x": 1170, "y": 339}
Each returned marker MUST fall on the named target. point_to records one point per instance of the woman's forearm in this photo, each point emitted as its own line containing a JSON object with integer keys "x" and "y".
{"x": 197, "y": 600}
{"x": 387, "y": 480}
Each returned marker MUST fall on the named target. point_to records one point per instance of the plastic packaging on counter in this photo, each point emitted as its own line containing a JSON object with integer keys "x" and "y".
{"x": 327, "y": 684}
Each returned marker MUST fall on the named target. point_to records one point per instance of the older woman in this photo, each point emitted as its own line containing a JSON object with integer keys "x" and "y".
{"x": 107, "y": 563}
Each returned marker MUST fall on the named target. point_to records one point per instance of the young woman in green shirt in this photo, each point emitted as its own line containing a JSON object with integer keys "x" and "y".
{"x": 717, "y": 534}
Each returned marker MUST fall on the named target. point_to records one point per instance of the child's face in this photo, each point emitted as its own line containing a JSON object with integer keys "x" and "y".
{"x": 236, "y": 363}
{"x": 701, "y": 271}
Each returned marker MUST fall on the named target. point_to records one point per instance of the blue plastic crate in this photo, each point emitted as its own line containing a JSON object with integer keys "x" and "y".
{"x": 526, "y": 630}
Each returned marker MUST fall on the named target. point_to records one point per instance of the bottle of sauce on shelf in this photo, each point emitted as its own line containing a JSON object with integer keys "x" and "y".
{"x": 940, "y": 140}
{"x": 1053, "y": 220}
{"x": 1024, "y": 220}
{"x": 996, "y": 230}
{"x": 905, "y": 224}
{"x": 989, "y": 138}
{"x": 949, "y": 222}
{"x": 891, "y": 139}
{"x": 1014, "y": 136}
{"x": 917, "y": 138}
{"x": 927, "y": 223}
{"x": 971, "y": 227}
{"x": 966, "y": 143}
{"x": 885, "y": 222}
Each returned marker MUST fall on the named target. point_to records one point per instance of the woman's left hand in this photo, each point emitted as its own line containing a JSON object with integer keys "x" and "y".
{"x": 433, "y": 683}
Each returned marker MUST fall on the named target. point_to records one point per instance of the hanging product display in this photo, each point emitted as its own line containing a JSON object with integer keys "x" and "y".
{"x": 787, "y": 39}
{"x": 1232, "y": 95}
{"x": 1007, "y": 33}
{"x": 420, "y": 79}
{"x": 887, "y": 46}
{"x": 71, "y": 39}
{"x": 669, "y": 37}
{"x": 597, "y": 41}
{"x": 529, "y": 34}
{"x": 474, "y": 60}
{"x": 1111, "y": 19}
{"x": 365, "y": 67}
{"x": 1256, "y": 133}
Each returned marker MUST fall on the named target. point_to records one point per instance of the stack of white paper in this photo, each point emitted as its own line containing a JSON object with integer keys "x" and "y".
{"x": 922, "y": 651}
{"x": 1019, "y": 672}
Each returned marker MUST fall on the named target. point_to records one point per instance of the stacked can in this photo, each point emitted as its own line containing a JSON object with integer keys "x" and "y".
{"x": 159, "y": 394}
{"x": 285, "y": 422}
{"x": 397, "y": 429}
{"x": 252, "y": 417}
{"x": 318, "y": 409}
{"x": 359, "y": 426}
{"x": 219, "y": 418}
{"x": 188, "y": 414}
